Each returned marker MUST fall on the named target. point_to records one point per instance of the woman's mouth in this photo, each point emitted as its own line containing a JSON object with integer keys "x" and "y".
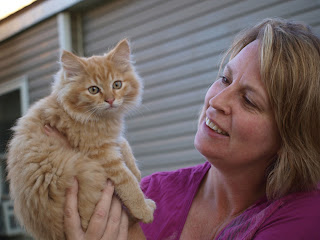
{"x": 215, "y": 127}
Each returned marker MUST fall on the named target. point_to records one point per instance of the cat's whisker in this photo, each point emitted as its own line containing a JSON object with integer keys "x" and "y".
{"x": 146, "y": 108}
{"x": 90, "y": 114}
{"x": 131, "y": 110}
{"x": 93, "y": 111}
{"x": 140, "y": 111}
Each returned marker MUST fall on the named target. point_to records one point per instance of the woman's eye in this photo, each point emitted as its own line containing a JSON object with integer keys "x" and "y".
{"x": 117, "y": 85}
{"x": 94, "y": 90}
{"x": 225, "y": 80}
{"x": 248, "y": 102}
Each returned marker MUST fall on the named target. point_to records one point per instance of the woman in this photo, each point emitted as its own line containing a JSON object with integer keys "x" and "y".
{"x": 259, "y": 131}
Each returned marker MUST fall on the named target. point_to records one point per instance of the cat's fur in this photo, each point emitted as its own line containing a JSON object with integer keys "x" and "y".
{"x": 40, "y": 168}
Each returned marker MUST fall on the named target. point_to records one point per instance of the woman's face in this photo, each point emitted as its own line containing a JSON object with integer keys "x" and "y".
{"x": 237, "y": 127}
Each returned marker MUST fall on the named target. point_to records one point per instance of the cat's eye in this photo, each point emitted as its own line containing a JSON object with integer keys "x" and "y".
{"x": 94, "y": 90}
{"x": 117, "y": 85}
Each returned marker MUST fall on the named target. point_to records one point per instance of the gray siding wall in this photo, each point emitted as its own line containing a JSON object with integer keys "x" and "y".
{"x": 177, "y": 45}
{"x": 34, "y": 54}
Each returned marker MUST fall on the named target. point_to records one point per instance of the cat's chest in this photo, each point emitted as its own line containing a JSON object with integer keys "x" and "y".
{"x": 84, "y": 137}
{"x": 93, "y": 138}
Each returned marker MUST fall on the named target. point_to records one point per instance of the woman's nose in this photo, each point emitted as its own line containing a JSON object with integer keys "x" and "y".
{"x": 221, "y": 101}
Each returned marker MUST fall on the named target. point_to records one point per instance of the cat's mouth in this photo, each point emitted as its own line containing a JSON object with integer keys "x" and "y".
{"x": 112, "y": 107}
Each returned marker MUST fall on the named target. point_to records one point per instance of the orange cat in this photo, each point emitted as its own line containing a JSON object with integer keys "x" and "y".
{"x": 89, "y": 99}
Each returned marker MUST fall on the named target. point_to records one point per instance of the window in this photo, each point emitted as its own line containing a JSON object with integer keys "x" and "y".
{"x": 14, "y": 103}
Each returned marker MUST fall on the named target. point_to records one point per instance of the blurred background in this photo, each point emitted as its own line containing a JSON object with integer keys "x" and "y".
{"x": 177, "y": 46}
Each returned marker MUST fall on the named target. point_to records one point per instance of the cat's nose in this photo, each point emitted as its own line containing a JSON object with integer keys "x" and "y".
{"x": 110, "y": 101}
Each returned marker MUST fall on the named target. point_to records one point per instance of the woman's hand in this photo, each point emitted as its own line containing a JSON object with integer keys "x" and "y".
{"x": 108, "y": 222}
{"x": 54, "y": 133}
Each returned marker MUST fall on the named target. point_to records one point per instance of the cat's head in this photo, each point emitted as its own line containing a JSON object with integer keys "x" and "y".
{"x": 99, "y": 86}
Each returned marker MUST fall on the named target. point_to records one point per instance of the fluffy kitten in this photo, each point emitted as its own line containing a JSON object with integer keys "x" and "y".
{"x": 87, "y": 105}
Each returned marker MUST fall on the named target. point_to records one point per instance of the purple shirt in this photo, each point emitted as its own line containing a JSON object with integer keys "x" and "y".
{"x": 296, "y": 216}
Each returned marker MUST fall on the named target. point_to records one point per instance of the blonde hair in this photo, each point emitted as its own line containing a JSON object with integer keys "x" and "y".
{"x": 290, "y": 70}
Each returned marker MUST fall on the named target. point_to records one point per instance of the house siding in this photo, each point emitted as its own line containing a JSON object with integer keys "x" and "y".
{"x": 33, "y": 53}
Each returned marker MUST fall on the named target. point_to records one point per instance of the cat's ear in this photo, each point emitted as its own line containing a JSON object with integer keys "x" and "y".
{"x": 71, "y": 64}
{"x": 121, "y": 54}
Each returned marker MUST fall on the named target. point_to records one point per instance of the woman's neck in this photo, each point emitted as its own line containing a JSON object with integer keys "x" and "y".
{"x": 231, "y": 193}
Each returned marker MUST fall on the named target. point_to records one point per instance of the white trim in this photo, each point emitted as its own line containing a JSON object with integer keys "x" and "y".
{"x": 64, "y": 30}
{"x": 37, "y": 13}
{"x": 7, "y": 214}
{"x": 79, "y": 25}
{"x": 15, "y": 84}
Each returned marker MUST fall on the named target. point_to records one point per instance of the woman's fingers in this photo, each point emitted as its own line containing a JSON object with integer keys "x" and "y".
{"x": 124, "y": 226}
{"x": 108, "y": 222}
{"x": 99, "y": 219}
{"x": 54, "y": 133}
{"x": 114, "y": 219}
{"x": 72, "y": 225}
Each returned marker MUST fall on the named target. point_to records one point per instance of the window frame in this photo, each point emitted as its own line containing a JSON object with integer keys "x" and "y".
{"x": 20, "y": 83}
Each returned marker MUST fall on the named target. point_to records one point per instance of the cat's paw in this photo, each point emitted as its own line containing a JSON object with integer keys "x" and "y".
{"x": 138, "y": 176}
{"x": 151, "y": 204}
{"x": 148, "y": 213}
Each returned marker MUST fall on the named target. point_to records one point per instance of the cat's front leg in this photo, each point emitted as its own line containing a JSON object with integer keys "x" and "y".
{"x": 129, "y": 158}
{"x": 128, "y": 189}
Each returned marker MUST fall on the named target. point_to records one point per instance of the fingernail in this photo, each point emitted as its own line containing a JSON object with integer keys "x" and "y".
{"x": 109, "y": 183}
{"x": 47, "y": 128}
